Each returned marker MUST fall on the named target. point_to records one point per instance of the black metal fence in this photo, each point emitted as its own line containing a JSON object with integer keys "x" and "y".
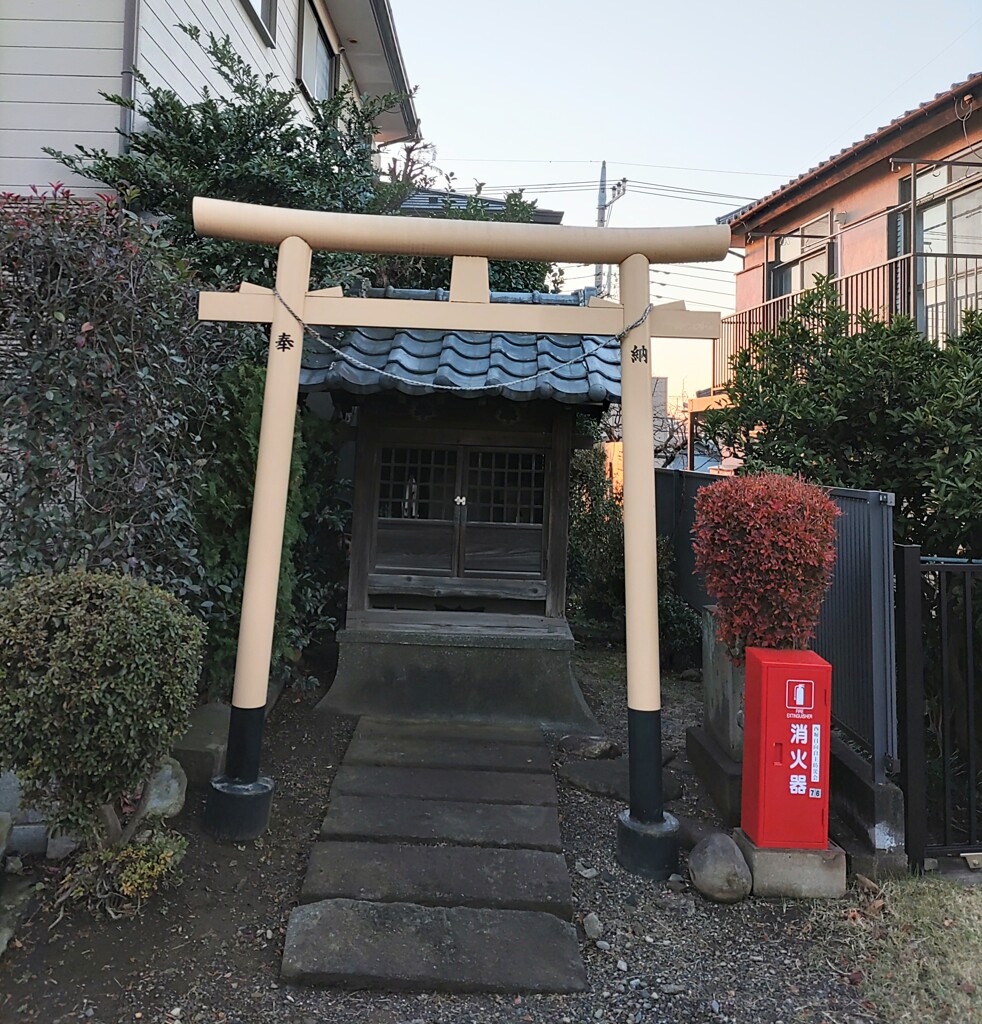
{"x": 856, "y": 627}
{"x": 939, "y": 629}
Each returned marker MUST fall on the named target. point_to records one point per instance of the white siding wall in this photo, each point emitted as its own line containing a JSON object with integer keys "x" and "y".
{"x": 169, "y": 58}
{"x": 55, "y": 56}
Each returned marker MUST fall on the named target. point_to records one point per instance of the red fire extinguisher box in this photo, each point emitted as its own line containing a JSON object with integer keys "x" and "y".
{"x": 787, "y": 711}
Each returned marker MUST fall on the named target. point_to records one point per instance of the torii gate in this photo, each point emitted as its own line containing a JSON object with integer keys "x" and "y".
{"x": 239, "y": 801}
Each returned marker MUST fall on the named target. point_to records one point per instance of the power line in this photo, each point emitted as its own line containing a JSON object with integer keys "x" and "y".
{"x": 690, "y": 287}
{"x": 619, "y": 163}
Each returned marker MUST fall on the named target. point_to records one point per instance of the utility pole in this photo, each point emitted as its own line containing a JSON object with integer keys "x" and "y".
{"x": 598, "y": 277}
{"x": 603, "y": 218}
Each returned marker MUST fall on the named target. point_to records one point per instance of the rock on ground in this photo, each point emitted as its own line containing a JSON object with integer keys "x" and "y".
{"x": 168, "y": 784}
{"x": 593, "y": 747}
{"x": 719, "y": 870}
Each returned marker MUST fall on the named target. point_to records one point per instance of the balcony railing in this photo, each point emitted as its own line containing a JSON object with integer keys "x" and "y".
{"x": 944, "y": 287}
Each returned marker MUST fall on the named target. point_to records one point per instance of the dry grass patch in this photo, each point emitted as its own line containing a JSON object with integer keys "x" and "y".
{"x": 912, "y": 947}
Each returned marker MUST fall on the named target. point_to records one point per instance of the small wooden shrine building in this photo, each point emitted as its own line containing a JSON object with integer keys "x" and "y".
{"x": 457, "y": 582}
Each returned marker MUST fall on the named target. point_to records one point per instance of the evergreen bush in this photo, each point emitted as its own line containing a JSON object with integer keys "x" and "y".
{"x": 98, "y": 674}
{"x": 765, "y": 545}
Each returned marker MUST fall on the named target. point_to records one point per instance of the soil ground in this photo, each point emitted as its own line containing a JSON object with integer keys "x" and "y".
{"x": 208, "y": 951}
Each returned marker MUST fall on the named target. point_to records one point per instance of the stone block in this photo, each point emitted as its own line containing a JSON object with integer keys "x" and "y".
{"x": 503, "y": 677}
{"x": 723, "y": 684}
{"x": 6, "y": 824}
{"x": 28, "y": 840}
{"x": 464, "y": 876}
{"x": 873, "y": 810}
{"x": 402, "y": 946}
{"x": 400, "y": 820}
{"x": 60, "y": 847}
{"x": 455, "y": 784}
{"x": 798, "y": 874}
{"x": 201, "y": 750}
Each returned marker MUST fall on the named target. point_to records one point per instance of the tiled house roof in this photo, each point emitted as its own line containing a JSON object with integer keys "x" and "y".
{"x": 870, "y": 140}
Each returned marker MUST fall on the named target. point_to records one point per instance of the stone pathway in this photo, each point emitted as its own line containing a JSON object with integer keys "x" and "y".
{"x": 439, "y": 867}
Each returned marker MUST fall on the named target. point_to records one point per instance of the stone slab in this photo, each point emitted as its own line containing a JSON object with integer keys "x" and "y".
{"x": 612, "y": 778}
{"x": 718, "y": 772}
{"x": 445, "y": 876}
{"x": 431, "y": 729}
{"x": 456, "y": 784}
{"x": 399, "y": 820}
{"x": 462, "y": 753}
{"x": 401, "y": 946}
{"x": 800, "y": 874}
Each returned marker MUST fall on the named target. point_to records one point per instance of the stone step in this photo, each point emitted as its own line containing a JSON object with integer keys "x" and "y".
{"x": 430, "y": 729}
{"x": 449, "y": 753}
{"x": 456, "y": 784}
{"x": 445, "y": 876}
{"x": 406, "y": 820}
{"x": 402, "y": 946}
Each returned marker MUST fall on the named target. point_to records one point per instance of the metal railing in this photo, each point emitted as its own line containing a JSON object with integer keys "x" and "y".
{"x": 939, "y": 628}
{"x": 943, "y": 286}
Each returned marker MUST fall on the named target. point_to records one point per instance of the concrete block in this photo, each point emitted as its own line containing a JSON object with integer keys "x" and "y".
{"x": 874, "y": 810}
{"x": 400, "y": 820}
{"x": 719, "y": 773}
{"x": 60, "y": 847}
{"x": 401, "y": 946}
{"x": 468, "y": 754}
{"x": 447, "y": 876}
{"x": 799, "y": 874}
{"x": 28, "y": 840}
{"x": 454, "y": 784}
{"x": 201, "y": 750}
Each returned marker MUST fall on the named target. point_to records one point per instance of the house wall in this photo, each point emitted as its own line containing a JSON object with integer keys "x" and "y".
{"x": 864, "y": 199}
{"x": 55, "y": 57}
{"x": 168, "y": 57}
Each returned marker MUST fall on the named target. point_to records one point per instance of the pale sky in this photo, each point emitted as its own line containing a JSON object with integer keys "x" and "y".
{"x": 720, "y": 96}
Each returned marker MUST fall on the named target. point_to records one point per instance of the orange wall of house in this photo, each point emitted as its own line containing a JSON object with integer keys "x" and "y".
{"x": 863, "y": 200}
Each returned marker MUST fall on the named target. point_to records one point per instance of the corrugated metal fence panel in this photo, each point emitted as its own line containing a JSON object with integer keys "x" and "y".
{"x": 856, "y": 627}
{"x": 675, "y": 510}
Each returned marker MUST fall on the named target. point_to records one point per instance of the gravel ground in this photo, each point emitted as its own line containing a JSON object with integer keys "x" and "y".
{"x": 209, "y": 951}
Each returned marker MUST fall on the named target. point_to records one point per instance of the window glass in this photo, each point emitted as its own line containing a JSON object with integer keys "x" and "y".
{"x": 316, "y": 57}
{"x": 966, "y": 223}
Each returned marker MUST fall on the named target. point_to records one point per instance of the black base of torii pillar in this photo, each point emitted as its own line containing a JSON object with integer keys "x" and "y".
{"x": 240, "y": 800}
{"x": 647, "y": 835}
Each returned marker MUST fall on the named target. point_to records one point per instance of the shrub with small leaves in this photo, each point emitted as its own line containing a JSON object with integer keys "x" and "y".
{"x": 765, "y": 545}
{"x": 117, "y": 880}
{"x": 98, "y": 675}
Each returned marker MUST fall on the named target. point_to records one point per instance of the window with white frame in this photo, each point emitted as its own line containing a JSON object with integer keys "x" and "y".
{"x": 316, "y": 60}
{"x": 800, "y": 255}
{"x": 263, "y": 16}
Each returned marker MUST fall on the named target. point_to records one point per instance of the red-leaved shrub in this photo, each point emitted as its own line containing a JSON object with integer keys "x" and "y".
{"x": 765, "y": 545}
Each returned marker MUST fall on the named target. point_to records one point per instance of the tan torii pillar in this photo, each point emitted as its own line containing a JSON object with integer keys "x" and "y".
{"x": 239, "y": 801}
